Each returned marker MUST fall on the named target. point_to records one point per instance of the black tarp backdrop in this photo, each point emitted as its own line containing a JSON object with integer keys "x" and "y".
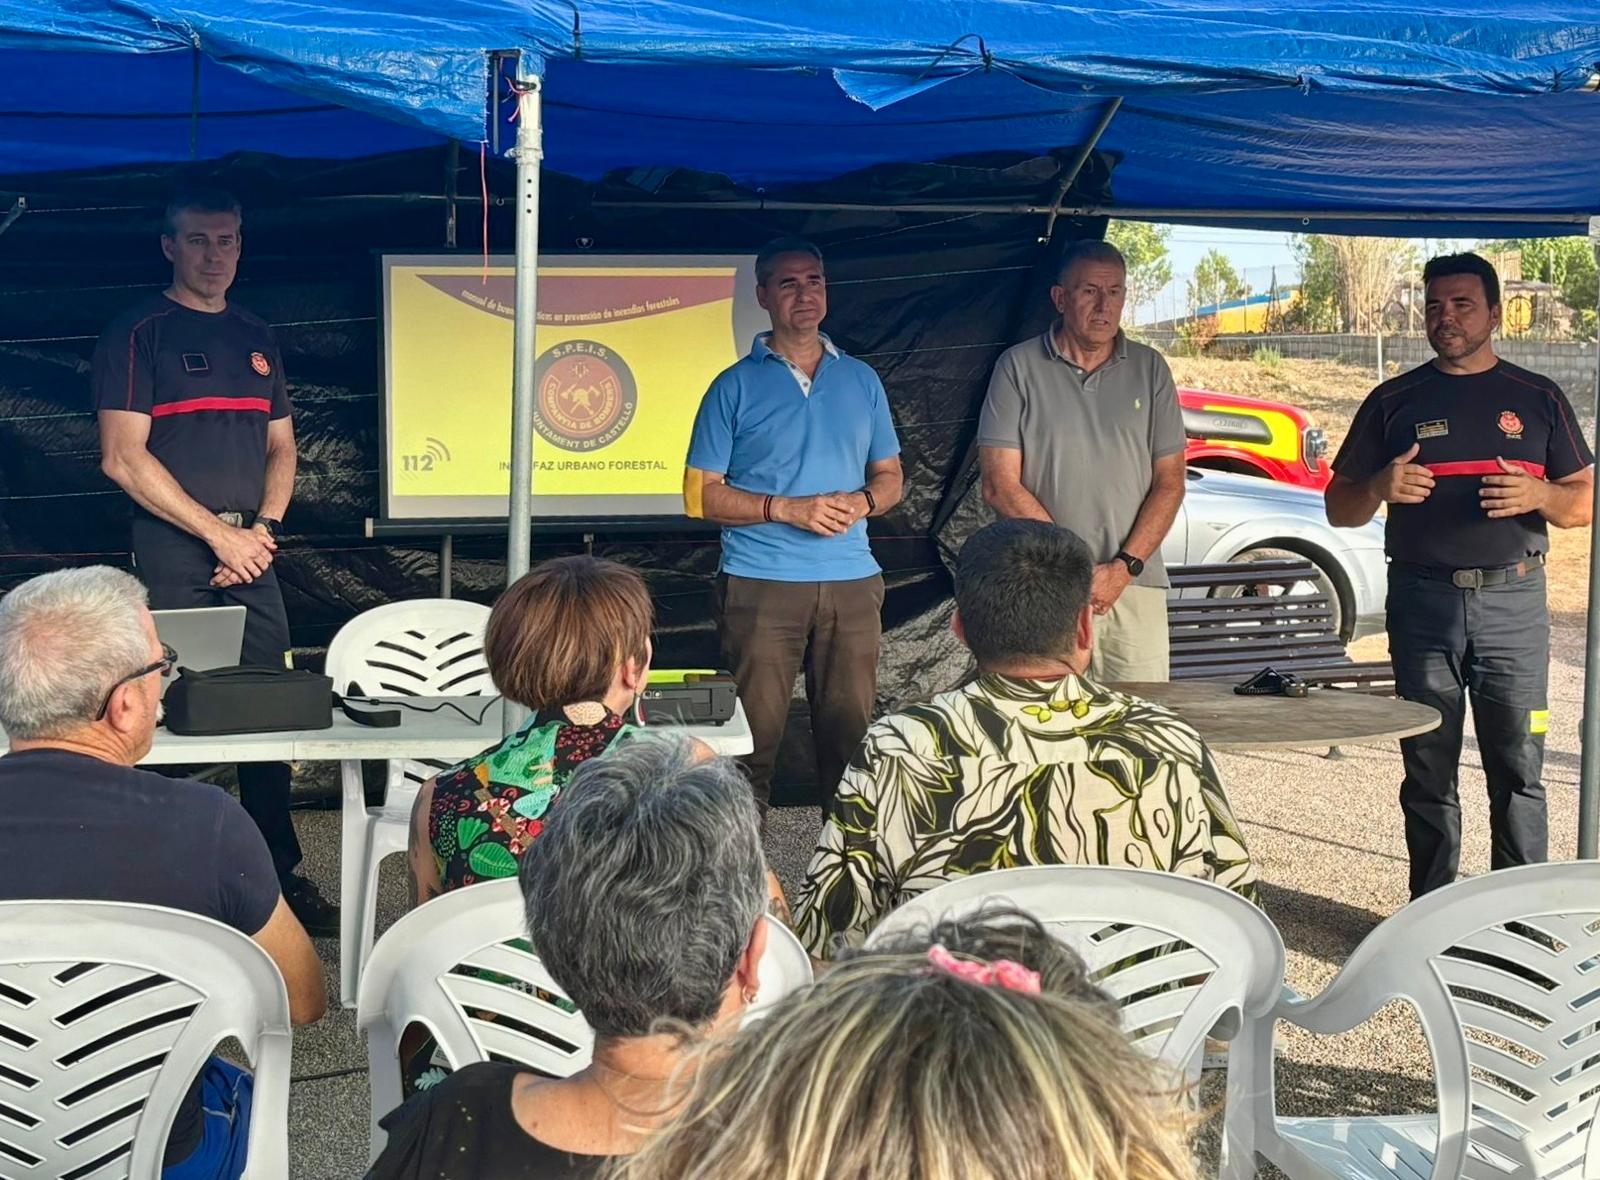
{"x": 929, "y": 300}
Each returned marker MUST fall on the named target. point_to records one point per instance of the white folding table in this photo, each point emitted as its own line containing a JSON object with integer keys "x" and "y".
{"x": 443, "y": 734}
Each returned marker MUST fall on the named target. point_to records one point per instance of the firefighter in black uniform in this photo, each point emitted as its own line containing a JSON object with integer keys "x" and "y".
{"x": 1475, "y": 457}
{"x": 195, "y": 426}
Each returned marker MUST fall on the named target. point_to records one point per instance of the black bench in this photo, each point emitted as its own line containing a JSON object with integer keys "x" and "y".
{"x": 1232, "y": 638}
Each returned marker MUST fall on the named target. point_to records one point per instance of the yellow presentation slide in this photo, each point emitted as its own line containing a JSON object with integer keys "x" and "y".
{"x": 626, "y": 348}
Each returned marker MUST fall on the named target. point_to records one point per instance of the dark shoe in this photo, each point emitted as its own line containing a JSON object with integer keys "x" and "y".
{"x": 317, "y": 914}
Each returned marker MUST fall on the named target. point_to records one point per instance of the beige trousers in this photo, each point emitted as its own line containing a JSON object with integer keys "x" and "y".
{"x": 1130, "y": 640}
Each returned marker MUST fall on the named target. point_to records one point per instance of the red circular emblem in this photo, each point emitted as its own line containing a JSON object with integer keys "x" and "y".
{"x": 1510, "y": 423}
{"x": 260, "y": 363}
{"x": 586, "y": 396}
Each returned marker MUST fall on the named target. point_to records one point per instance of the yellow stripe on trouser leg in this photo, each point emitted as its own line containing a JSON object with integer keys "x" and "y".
{"x": 1539, "y": 721}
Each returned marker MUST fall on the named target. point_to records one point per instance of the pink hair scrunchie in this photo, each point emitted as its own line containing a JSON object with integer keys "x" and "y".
{"x": 1006, "y": 973}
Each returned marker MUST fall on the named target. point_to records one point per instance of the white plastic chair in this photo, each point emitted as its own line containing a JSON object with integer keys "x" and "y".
{"x": 1184, "y": 958}
{"x": 1504, "y": 972}
{"x": 461, "y": 966}
{"x": 107, "y": 1014}
{"x": 429, "y": 647}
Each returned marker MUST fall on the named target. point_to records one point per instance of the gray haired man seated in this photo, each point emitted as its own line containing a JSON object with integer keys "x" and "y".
{"x": 80, "y": 672}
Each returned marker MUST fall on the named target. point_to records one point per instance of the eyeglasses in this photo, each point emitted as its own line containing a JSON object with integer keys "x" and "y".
{"x": 165, "y": 665}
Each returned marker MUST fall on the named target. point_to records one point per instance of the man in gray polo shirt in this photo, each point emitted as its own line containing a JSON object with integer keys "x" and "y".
{"x": 1082, "y": 427}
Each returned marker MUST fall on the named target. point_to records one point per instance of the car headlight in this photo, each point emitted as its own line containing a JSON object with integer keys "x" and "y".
{"x": 1314, "y": 446}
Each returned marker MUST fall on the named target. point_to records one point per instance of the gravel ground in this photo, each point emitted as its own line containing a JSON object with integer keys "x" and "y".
{"x": 1326, "y": 834}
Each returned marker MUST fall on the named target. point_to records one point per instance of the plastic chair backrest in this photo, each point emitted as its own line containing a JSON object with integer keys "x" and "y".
{"x": 1180, "y": 955}
{"x": 107, "y": 1013}
{"x": 427, "y": 647}
{"x": 1504, "y": 972}
{"x": 461, "y": 966}
{"x": 430, "y": 647}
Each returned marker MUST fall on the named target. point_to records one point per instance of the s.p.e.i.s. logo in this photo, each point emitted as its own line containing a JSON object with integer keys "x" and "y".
{"x": 586, "y": 396}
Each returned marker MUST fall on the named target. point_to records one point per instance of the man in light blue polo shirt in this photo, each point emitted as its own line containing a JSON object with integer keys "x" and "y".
{"x": 793, "y": 448}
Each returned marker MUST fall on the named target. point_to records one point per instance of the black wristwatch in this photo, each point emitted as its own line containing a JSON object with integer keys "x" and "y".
{"x": 273, "y": 527}
{"x": 1135, "y": 566}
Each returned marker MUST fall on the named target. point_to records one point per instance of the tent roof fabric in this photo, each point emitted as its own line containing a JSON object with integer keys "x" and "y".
{"x": 1370, "y": 106}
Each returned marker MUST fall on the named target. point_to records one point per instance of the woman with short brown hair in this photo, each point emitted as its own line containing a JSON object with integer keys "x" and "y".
{"x": 570, "y": 641}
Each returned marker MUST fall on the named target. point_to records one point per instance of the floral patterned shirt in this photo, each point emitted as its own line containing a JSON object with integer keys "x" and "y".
{"x": 1006, "y": 772}
{"x": 488, "y": 809}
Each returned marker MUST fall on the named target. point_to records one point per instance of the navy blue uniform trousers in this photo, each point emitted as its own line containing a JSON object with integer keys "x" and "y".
{"x": 177, "y": 569}
{"x": 1489, "y": 645}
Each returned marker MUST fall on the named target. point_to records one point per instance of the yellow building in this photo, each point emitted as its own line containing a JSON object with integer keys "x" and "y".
{"x": 1253, "y": 313}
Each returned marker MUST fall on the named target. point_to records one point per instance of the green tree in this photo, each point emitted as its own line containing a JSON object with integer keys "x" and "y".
{"x": 1565, "y": 263}
{"x": 1144, "y": 246}
{"x": 1214, "y": 281}
{"x": 1317, "y": 309}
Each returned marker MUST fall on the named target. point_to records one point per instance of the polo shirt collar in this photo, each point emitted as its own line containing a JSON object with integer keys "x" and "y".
{"x": 1055, "y": 354}
{"x": 761, "y": 347}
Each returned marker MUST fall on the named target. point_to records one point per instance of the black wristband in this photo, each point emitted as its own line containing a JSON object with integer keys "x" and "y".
{"x": 766, "y": 510}
{"x": 273, "y": 527}
{"x": 872, "y": 505}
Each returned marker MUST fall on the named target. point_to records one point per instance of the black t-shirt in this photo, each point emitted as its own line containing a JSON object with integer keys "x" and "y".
{"x": 210, "y": 381}
{"x": 464, "y": 1129}
{"x": 1462, "y": 423}
{"x": 74, "y": 827}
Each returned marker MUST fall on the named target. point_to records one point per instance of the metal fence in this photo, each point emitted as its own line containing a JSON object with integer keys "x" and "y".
{"x": 1571, "y": 364}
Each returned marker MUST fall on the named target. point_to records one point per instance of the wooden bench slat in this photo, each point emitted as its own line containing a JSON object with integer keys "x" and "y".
{"x": 1207, "y": 643}
{"x": 1274, "y": 564}
{"x": 1244, "y": 621}
{"x": 1189, "y": 606}
{"x": 1254, "y": 573}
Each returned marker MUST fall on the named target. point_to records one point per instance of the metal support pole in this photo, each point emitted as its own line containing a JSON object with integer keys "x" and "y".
{"x": 18, "y": 208}
{"x": 452, "y": 174}
{"x": 1307, "y": 218}
{"x": 1589, "y": 727}
{"x": 1079, "y": 159}
{"x": 1377, "y": 339}
{"x": 519, "y": 511}
{"x": 452, "y": 169}
{"x": 530, "y": 152}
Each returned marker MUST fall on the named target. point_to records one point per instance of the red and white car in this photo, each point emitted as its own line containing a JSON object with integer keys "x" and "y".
{"x": 1252, "y": 437}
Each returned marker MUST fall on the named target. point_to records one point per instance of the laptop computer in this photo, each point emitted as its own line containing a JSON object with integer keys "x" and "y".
{"x": 204, "y": 637}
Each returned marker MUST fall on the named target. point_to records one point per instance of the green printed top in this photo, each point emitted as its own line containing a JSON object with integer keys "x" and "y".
{"x": 1004, "y": 773}
{"x": 489, "y": 808}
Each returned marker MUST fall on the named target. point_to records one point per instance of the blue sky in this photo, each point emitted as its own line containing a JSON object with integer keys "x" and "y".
{"x": 1244, "y": 247}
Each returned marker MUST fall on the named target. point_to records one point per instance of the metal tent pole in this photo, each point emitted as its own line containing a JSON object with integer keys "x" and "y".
{"x": 1589, "y": 730}
{"x": 452, "y": 172}
{"x": 529, "y": 154}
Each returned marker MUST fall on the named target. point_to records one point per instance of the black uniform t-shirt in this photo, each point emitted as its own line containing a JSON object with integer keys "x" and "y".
{"x": 210, "y": 381}
{"x": 1462, "y": 423}
{"x": 74, "y": 827}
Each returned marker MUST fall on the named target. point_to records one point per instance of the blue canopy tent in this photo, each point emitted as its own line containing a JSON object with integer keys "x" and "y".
{"x": 1339, "y": 115}
{"x": 1371, "y": 109}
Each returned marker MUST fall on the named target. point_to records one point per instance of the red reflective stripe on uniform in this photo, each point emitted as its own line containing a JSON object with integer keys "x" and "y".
{"x": 195, "y": 404}
{"x": 1484, "y": 467}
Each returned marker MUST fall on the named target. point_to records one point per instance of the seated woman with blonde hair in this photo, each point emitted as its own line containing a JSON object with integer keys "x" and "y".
{"x": 928, "y": 1061}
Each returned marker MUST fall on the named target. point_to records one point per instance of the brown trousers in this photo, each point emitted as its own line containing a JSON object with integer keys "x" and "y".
{"x": 770, "y": 631}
